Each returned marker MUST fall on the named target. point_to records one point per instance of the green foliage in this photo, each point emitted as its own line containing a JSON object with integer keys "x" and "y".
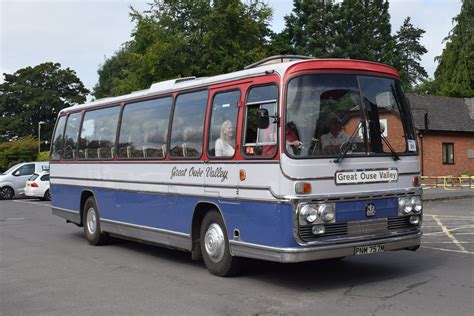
{"x": 356, "y": 29}
{"x": 22, "y": 150}
{"x": 364, "y": 31}
{"x": 35, "y": 94}
{"x": 43, "y": 156}
{"x": 455, "y": 72}
{"x": 186, "y": 38}
{"x": 426, "y": 86}
{"x": 410, "y": 51}
{"x": 312, "y": 28}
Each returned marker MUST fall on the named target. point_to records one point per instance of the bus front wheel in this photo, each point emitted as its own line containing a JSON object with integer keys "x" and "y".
{"x": 92, "y": 224}
{"x": 215, "y": 246}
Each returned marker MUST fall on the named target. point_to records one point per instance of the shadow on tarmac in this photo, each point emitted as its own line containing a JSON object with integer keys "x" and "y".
{"x": 315, "y": 276}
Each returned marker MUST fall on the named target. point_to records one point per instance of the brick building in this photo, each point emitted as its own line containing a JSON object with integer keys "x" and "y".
{"x": 447, "y": 146}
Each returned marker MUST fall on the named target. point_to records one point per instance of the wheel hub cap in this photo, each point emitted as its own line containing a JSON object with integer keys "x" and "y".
{"x": 91, "y": 220}
{"x": 214, "y": 242}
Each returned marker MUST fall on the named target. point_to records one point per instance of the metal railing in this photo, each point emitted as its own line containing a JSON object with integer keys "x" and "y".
{"x": 447, "y": 182}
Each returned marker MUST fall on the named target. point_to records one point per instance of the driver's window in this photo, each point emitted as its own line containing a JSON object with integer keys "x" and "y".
{"x": 261, "y": 142}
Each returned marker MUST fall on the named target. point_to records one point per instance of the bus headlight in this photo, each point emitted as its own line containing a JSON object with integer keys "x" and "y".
{"x": 416, "y": 204}
{"x": 327, "y": 213}
{"x": 410, "y": 205}
{"x": 308, "y": 213}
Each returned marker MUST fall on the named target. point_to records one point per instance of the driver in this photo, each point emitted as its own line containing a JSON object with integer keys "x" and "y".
{"x": 334, "y": 139}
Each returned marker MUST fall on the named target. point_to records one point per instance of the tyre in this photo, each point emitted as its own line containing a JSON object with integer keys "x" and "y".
{"x": 6, "y": 193}
{"x": 47, "y": 196}
{"x": 91, "y": 223}
{"x": 215, "y": 246}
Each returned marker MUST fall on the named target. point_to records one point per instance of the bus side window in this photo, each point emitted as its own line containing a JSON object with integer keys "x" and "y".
{"x": 188, "y": 125}
{"x": 97, "y": 138}
{"x": 261, "y": 142}
{"x": 144, "y": 129}
{"x": 58, "y": 139}
{"x": 221, "y": 136}
{"x": 70, "y": 136}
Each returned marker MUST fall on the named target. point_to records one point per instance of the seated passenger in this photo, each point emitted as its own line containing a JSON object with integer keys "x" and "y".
{"x": 269, "y": 136}
{"x": 334, "y": 139}
{"x": 224, "y": 143}
{"x": 292, "y": 139}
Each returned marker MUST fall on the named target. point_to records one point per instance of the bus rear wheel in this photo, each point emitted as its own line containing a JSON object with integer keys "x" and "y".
{"x": 215, "y": 246}
{"x": 91, "y": 224}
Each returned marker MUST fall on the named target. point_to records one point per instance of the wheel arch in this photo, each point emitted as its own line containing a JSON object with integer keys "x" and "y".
{"x": 85, "y": 194}
{"x": 200, "y": 210}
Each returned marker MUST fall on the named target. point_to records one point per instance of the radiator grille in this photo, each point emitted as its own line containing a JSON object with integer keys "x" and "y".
{"x": 358, "y": 228}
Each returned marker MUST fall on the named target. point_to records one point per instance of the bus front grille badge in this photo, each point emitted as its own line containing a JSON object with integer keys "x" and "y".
{"x": 370, "y": 210}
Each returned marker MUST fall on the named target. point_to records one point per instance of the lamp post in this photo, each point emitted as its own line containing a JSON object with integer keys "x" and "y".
{"x": 39, "y": 135}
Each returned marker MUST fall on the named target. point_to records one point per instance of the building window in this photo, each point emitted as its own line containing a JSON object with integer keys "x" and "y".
{"x": 470, "y": 154}
{"x": 448, "y": 153}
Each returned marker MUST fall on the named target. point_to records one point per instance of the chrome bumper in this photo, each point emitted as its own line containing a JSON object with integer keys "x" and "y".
{"x": 287, "y": 255}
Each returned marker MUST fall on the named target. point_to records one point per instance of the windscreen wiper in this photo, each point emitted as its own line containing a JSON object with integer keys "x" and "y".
{"x": 349, "y": 143}
{"x": 394, "y": 154}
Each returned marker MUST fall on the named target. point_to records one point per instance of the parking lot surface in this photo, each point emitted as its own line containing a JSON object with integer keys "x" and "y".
{"x": 47, "y": 268}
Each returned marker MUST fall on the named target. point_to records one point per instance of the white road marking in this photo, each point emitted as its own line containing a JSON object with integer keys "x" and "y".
{"x": 31, "y": 202}
{"x": 448, "y": 233}
{"x": 450, "y": 250}
{"x": 454, "y": 216}
{"x": 450, "y": 230}
{"x": 444, "y": 242}
{"x": 14, "y": 218}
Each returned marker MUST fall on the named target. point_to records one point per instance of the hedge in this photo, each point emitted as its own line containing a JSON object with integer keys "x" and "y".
{"x": 11, "y": 153}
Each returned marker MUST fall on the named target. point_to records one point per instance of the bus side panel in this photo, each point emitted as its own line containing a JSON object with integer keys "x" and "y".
{"x": 261, "y": 223}
{"x": 145, "y": 209}
{"x": 66, "y": 196}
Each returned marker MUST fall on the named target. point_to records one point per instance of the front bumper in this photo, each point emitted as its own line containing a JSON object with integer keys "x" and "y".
{"x": 287, "y": 255}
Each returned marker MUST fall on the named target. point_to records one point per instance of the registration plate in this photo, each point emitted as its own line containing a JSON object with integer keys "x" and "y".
{"x": 367, "y": 250}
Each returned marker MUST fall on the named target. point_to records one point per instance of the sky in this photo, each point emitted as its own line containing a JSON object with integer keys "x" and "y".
{"x": 81, "y": 34}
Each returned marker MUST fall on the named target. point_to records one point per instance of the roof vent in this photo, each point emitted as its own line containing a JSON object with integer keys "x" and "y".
{"x": 277, "y": 60}
{"x": 180, "y": 80}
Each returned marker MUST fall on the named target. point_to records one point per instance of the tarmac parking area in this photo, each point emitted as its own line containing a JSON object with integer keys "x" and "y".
{"x": 449, "y": 233}
{"x": 47, "y": 268}
{"x": 449, "y": 226}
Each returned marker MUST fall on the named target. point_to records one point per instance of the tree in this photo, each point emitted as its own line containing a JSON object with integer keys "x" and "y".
{"x": 426, "y": 86}
{"x": 35, "y": 94}
{"x": 187, "y": 38}
{"x": 311, "y": 28}
{"x": 410, "y": 51}
{"x": 455, "y": 72}
{"x": 364, "y": 31}
{"x": 356, "y": 29}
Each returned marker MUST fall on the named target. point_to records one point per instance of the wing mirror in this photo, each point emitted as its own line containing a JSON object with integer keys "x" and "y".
{"x": 263, "y": 119}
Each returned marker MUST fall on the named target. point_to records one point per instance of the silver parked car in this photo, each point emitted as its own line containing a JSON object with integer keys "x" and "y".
{"x": 12, "y": 181}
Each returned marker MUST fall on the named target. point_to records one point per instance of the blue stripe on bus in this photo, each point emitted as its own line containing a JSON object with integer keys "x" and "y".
{"x": 355, "y": 210}
{"x": 263, "y": 223}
